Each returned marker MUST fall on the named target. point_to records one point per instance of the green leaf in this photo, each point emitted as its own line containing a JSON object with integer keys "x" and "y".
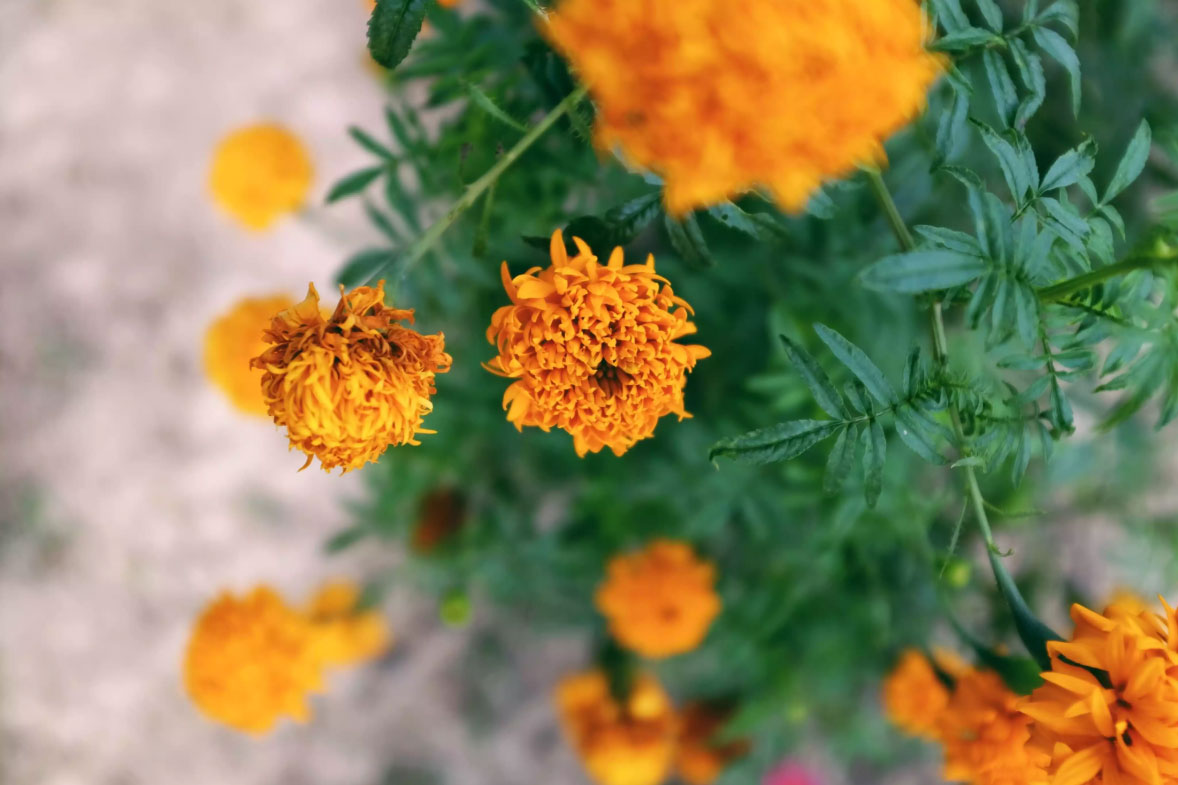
{"x": 825, "y": 395}
{"x": 1061, "y": 51}
{"x": 858, "y": 363}
{"x": 1132, "y": 164}
{"x": 484, "y": 102}
{"x": 365, "y": 140}
{"x": 1070, "y": 167}
{"x": 1030, "y": 69}
{"x": 951, "y": 126}
{"x": 779, "y": 442}
{"x": 840, "y": 461}
{"x": 923, "y": 271}
{"x": 992, "y": 14}
{"x": 1065, "y": 11}
{"x": 949, "y": 238}
{"x": 874, "y": 453}
{"x": 393, "y": 27}
{"x": 914, "y": 433}
{"x": 354, "y": 183}
{"x": 735, "y": 218}
{"x": 950, "y": 15}
{"x": 964, "y": 39}
{"x": 363, "y": 265}
{"x": 630, "y": 218}
{"x": 1026, "y": 312}
{"x": 1033, "y": 633}
{"x": 1014, "y": 167}
{"x": 1001, "y": 85}
{"x": 688, "y": 241}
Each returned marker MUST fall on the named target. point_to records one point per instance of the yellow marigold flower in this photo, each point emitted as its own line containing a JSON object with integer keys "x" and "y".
{"x": 719, "y": 99}
{"x": 913, "y": 695}
{"x": 701, "y": 758}
{"x": 260, "y": 173}
{"x": 630, "y": 744}
{"x": 232, "y": 341}
{"x": 349, "y": 385}
{"x": 659, "y": 601}
{"x": 987, "y": 741}
{"x": 1109, "y": 708}
{"x": 252, "y": 660}
{"x": 592, "y": 349}
{"x": 344, "y": 634}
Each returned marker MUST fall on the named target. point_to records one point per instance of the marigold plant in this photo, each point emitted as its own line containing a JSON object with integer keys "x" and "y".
{"x": 235, "y": 338}
{"x": 349, "y": 385}
{"x": 592, "y": 349}
{"x": 659, "y": 601}
{"x": 914, "y": 695}
{"x": 259, "y": 173}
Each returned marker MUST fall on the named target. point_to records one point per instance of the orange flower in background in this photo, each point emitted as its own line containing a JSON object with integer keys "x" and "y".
{"x": 913, "y": 695}
{"x": 349, "y": 385}
{"x": 234, "y": 339}
{"x": 1109, "y": 709}
{"x": 659, "y": 601}
{"x": 592, "y": 349}
{"x": 719, "y": 99}
{"x": 259, "y": 174}
{"x": 345, "y": 633}
{"x": 251, "y": 661}
{"x": 701, "y": 756}
{"x": 628, "y": 743}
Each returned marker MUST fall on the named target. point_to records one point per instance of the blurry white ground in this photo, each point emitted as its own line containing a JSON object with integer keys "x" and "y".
{"x": 129, "y": 491}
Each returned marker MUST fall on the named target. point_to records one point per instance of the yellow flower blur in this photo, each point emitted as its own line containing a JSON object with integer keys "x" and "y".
{"x": 659, "y": 601}
{"x": 259, "y": 174}
{"x": 913, "y": 696}
{"x": 345, "y": 634}
{"x": 592, "y": 349}
{"x": 232, "y": 341}
{"x": 720, "y": 98}
{"x": 619, "y": 744}
{"x": 349, "y": 385}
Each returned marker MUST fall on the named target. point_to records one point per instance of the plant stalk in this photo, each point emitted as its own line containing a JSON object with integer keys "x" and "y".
{"x": 1064, "y": 289}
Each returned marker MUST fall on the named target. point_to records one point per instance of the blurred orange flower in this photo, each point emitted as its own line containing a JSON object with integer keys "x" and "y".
{"x": 592, "y": 349}
{"x": 701, "y": 757}
{"x": 260, "y": 173}
{"x": 349, "y": 385}
{"x": 659, "y": 601}
{"x": 913, "y": 695}
{"x": 234, "y": 339}
{"x": 719, "y": 99}
{"x": 345, "y": 633}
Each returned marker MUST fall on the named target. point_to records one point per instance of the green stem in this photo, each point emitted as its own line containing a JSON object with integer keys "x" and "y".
{"x": 1064, "y": 289}
{"x": 899, "y": 228}
{"x": 473, "y": 191}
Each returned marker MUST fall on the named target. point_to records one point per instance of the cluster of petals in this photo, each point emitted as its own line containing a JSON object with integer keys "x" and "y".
{"x": 914, "y": 696}
{"x": 350, "y": 384}
{"x": 659, "y": 601}
{"x": 259, "y": 173}
{"x": 719, "y": 99}
{"x": 235, "y": 338}
{"x": 592, "y": 349}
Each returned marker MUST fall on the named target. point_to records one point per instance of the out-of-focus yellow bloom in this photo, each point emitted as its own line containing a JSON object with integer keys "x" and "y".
{"x": 349, "y": 385}
{"x": 632, "y": 743}
{"x": 252, "y": 660}
{"x": 234, "y": 339}
{"x": 721, "y": 98}
{"x": 345, "y": 634}
{"x": 260, "y": 173}
{"x": 592, "y": 349}
{"x": 659, "y": 601}
{"x": 913, "y": 695}
{"x": 701, "y": 758}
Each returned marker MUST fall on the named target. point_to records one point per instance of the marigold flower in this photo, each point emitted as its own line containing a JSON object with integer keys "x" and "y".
{"x": 659, "y": 601}
{"x": 345, "y": 634}
{"x": 234, "y": 339}
{"x": 701, "y": 757}
{"x": 914, "y": 696}
{"x": 719, "y": 99}
{"x": 619, "y": 744}
{"x": 1109, "y": 708}
{"x": 252, "y": 660}
{"x": 260, "y": 173}
{"x": 592, "y": 349}
{"x": 349, "y": 385}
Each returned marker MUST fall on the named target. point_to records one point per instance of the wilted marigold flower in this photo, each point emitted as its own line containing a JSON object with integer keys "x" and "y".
{"x": 701, "y": 756}
{"x": 260, "y": 173}
{"x": 659, "y": 601}
{"x": 632, "y": 743}
{"x": 914, "y": 696}
{"x": 1109, "y": 709}
{"x": 349, "y": 385}
{"x": 232, "y": 341}
{"x": 721, "y": 98}
{"x": 592, "y": 349}
{"x": 252, "y": 660}
{"x": 344, "y": 633}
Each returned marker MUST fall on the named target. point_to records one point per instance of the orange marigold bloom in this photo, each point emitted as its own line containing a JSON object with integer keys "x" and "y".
{"x": 252, "y": 660}
{"x": 592, "y": 349}
{"x": 232, "y": 341}
{"x": 701, "y": 757}
{"x": 720, "y": 99}
{"x": 619, "y": 744}
{"x": 346, "y": 634}
{"x": 913, "y": 695}
{"x": 659, "y": 601}
{"x": 349, "y": 385}
{"x": 260, "y": 173}
{"x": 1109, "y": 708}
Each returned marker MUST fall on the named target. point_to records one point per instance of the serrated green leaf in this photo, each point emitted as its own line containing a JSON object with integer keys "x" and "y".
{"x": 915, "y": 435}
{"x": 1065, "y": 11}
{"x": 825, "y": 394}
{"x": 779, "y": 442}
{"x": 858, "y": 363}
{"x": 735, "y": 218}
{"x": 354, "y": 183}
{"x": 1070, "y": 167}
{"x": 840, "y": 461}
{"x": 992, "y": 14}
{"x": 964, "y": 39}
{"x": 874, "y": 454}
{"x": 369, "y": 143}
{"x": 392, "y": 28}
{"x": 1026, "y": 310}
{"x": 923, "y": 271}
{"x": 1001, "y": 85}
{"x": 1031, "y": 74}
{"x": 483, "y": 101}
{"x": 951, "y": 127}
{"x": 1010, "y": 161}
{"x": 630, "y": 218}
{"x": 983, "y": 298}
{"x": 950, "y": 14}
{"x": 1132, "y": 164}
{"x": 1062, "y": 52}
{"x": 949, "y": 238}
{"x": 688, "y": 241}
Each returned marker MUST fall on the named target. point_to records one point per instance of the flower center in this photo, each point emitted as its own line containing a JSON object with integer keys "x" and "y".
{"x": 610, "y": 378}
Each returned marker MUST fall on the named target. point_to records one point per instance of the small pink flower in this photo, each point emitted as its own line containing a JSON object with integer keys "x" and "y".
{"x": 790, "y": 772}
